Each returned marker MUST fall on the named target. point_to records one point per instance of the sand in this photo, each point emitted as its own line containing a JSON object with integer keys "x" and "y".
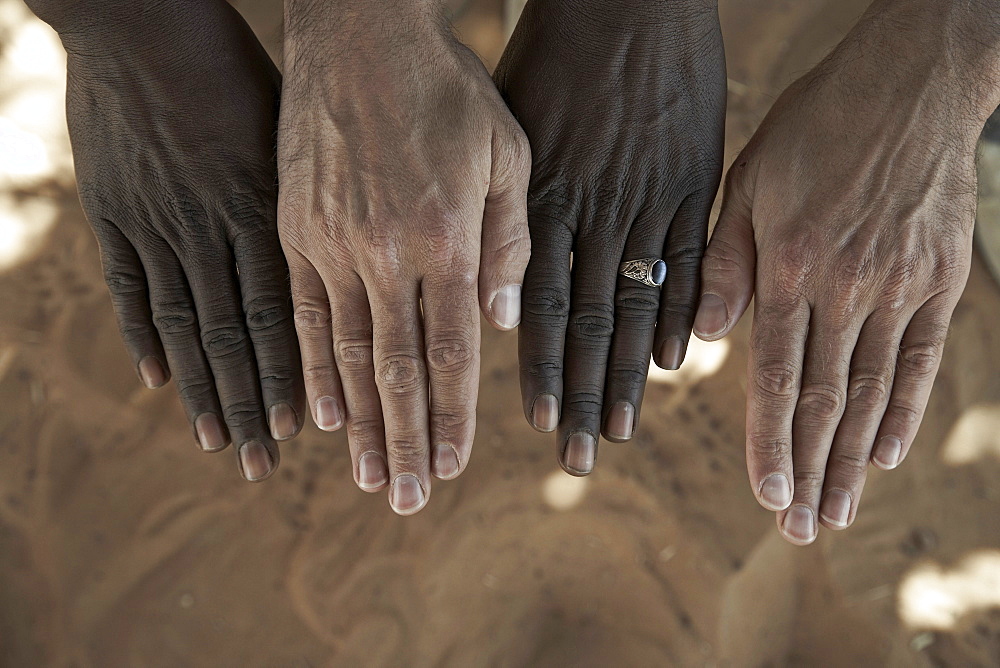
{"x": 122, "y": 545}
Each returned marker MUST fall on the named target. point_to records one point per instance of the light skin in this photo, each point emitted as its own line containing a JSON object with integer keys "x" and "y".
{"x": 147, "y": 90}
{"x": 402, "y": 214}
{"x": 624, "y": 105}
{"x": 848, "y": 218}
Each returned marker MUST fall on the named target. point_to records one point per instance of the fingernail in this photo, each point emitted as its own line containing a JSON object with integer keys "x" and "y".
{"x": 256, "y": 461}
{"x": 283, "y": 422}
{"x": 445, "y": 461}
{"x": 887, "y": 452}
{"x": 372, "y": 471}
{"x": 800, "y": 525}
{"x": 671, "y": 354}
{"x": 621, "y": 421}
{"x": 712, "y": 315}
{"x": 545, "y": 413}
{"x": 775, "y": 492}
{"x": 211, "y": 434}
{"x": 151, "y": 373}
{"x": 506, "y": 307}
{"x": 407, "y": 496}
{"x": 580, "y": 452}
{"x": 328, "y": 417}
{"x": 836, "y": 507}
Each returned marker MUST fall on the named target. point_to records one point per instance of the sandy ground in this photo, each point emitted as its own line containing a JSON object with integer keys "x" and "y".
{"x": 122, "y": 545}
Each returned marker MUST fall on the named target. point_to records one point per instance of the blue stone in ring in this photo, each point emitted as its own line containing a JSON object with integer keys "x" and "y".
{"x": 658, "y": 272}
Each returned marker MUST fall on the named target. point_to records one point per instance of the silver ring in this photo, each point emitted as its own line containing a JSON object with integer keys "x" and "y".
{"x": 650, "y": 271}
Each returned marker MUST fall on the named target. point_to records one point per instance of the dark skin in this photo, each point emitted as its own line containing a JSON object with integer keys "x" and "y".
{"x": 623, "y": 103}
{"x": 172, "y": 113}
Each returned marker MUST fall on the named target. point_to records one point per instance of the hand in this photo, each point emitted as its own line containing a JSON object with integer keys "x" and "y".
{"x": 624, "y": 105}
{"x": 172, "y": 111}
{"x": 851, "y": 209}
{"x": 404, "y": 182}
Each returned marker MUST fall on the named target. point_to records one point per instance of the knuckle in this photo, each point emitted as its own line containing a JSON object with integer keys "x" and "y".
{"x": 312, "y": 316}
{"x": 822, "y": 401}
{"x": 222, "y": 341}
{"x": 809, "y": 476}
{"x": 768, "y": 448}
{"x": 449, "y": 423}
{"x": 776, "y": 378}
{"x": 722, "y": 259}
{"x": 584, "y": 402}
{"x": 267, "y": 313}
{"x": 172, "y": 318}
{"x": 546, "y": 302}
{"x": 124, "y": 281}
{"x": 869, "y": 389}
{"x": 353, "y": 353}
{"x": 541, "y": 367}
{"x": 241, "y": 413}
{"x": 795, "y": 262}
{"x": 407, "y": 452}
{"x": 920, "y": 359}
{"x": 853, "y": 463}
{"x": 905, "y": 414}
{"x": 364, "y": 430}
{"x": 400, "y": 374}
{"x": 194, "y": 390}
{"x": 451, "y": 356}
{"x": 592, "y": 322}
{"x": 637, "y": 304}
{"x": 628, "y": 375}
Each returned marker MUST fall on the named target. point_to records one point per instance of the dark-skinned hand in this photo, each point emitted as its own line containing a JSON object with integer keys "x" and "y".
{"x": 623, "y": 103}
{"x": 172, "y": 113}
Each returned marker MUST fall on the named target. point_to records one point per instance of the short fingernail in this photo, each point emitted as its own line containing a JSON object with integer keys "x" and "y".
{"x": 151, "y": 372}
{"x": 372, "y": 471}
{"x": 256, "y": 461}
{"x": 445, "y": 461}
{"x": 328, "y": 416}
{"x": 621, "y": 421}
{"x": 283, "y": 422}
{"x": 580, "y": 453}
{"x": 887, "y": 452}
{"x": 406, "y": 496}
{"x": 211, "y": 434}
{"x": 712, "y": 315}
{"x": 776, "y": 492}
{"x": 671, "y": 354}
{"x": 545, "y": 413}
{"x": 800, "y": 525}
{"x": 506, "y": 307}
{"x": 836, "y": 507}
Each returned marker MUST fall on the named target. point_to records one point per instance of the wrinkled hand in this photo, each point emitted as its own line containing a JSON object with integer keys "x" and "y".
{"x": 851, "y": 210}
{"x": 404, "y": 183}
{"x": 172, "y": 111}
{"x": 623, "y": 103}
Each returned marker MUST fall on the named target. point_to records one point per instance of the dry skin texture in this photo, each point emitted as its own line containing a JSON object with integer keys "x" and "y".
{"x": 121, "y": 544}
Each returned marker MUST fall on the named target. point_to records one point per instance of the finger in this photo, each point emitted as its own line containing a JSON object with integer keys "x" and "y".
{"x": 401, "y": 377}
{"x": 727, "y": 270}
{"x": 820, "y": 405}
{"x": 683, "y": 253}
{"x": 872, "y": 368}
{"x": 351, "y": 321}
{"x": 451, "y": 331}
{"x": 774, "y": 376}
{"x": 588, "y": 342}
{"x": 916, "y": 367}
{"x": 126, "y": 280}
{"x": 506, "y": 244}
{"x": 541, "y": 337}
{"x": 176, "y": 321}
{"x": 315, "y": 334}
{"x": 264, "y": 283}
{"x": 636, "y": 308}
{"x": 230, "y": 354}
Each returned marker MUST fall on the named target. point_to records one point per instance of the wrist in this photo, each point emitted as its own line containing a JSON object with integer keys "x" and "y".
{"x": 949, "y": 49}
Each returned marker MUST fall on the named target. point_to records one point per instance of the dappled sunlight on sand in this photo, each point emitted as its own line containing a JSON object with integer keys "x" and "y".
{"x": 562, "y": 491}
{"x": 702, "y": 360}
{"x": 935, "y": 597}
{"x": 975, "y": 436}
{"x": 34, "y": 148}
